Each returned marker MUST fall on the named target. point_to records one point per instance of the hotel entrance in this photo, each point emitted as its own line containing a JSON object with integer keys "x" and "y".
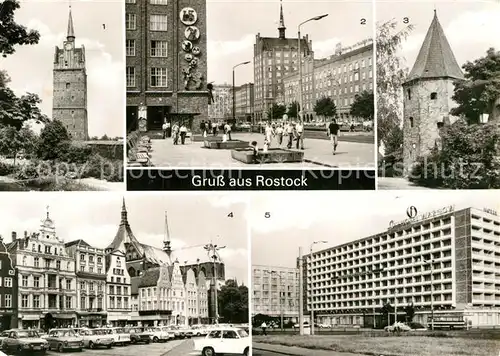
{"x": 156, "y": 116}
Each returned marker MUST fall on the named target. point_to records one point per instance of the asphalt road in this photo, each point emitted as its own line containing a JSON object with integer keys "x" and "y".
{"x": 264, "y": 353}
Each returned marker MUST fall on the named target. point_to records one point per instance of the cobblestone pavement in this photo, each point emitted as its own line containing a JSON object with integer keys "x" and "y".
{"x": 261, "y": 349}
{"x": 317, "y": 153}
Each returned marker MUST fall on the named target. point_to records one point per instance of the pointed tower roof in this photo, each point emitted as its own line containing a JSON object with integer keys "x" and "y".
{"x": 124, "y": 235}
{"x": 435, "y": 59}
{"x": 71, "y": 30}
{"x": 166, "y": 239}
{"x": 281, "y": 28}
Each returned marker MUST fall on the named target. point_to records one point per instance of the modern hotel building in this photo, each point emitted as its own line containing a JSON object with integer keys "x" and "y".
{"x": 446, "y": 262}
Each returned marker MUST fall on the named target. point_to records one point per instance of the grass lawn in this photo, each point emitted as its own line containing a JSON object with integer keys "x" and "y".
{"x": 389, "y": 345}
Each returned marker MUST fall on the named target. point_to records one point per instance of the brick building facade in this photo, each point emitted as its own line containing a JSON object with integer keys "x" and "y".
{"x": 8, "y": 289}
{"x": 70, "y": 86}
{"x": 428, "y": 92}
{"x": 166, "y": 64}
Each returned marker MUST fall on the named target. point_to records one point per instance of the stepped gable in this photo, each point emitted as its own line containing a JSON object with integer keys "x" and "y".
{"x": 436, "y": 58}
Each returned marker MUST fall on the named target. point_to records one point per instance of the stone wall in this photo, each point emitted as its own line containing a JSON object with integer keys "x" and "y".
{"x": 422, "y": 115}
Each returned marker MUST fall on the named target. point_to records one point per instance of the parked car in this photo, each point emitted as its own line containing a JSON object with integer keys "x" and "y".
{"x": 158, "y": 334}
{"x": 199, "y": 330}
{"x": 64, "y": 339}
{"x": 95, "y": 338}
{"x": 138, "y": 335}
{"x": 186, "y": 332}
{"x": 169, "y": 332}
{"x": 3, "y": 335}
{"x": 177, "y": 332}
{"x": 24, "y": 341}
{"x": 119, "y": 335}
{"x": 228, "y": 341}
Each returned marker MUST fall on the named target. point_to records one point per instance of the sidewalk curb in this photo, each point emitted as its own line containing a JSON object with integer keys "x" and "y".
{"x": 273, "y": 351}
{"x": 319, "y": 163}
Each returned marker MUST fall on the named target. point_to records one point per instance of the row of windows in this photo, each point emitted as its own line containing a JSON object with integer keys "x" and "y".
{"x": 90, "y": 305}
{"x": 157, "y": 48}
{"x": 156, "y": 22}
{"x": 91, "y": 258}
{"x": 37, "y": 282}
{"x": 48, "y": 263}
{"x": 7, "y": 302}
{"x": 91, "y": 285}
{"x": 118, "y": 303}
{"x": 36, "y": 301}
{"x": 157, "y": 77}
{"x": 118, "y": 290}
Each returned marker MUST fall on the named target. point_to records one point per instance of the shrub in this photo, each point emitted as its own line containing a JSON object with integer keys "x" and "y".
{"x": 6, "y": 169}
{"x": 74, "y": 152}
{"x": 414, "y": 325}
{"x": 102, "y": 168}
{"x": 469, "y": 159}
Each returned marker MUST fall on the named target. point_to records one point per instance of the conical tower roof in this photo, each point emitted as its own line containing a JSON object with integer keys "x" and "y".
{"x": 124, "y": 235}
{"x": 71, "y": 29}
{"x": 435, "y": 59}
{"x": 281, "y": 28}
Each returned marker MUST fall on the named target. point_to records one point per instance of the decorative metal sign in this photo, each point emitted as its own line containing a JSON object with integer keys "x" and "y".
{"x": 187, "y": 46}
{"x": 188, "y": 16}
{"x": 411, "y": 212}
{"x": 432, "y": 214}
{"x": 196, "y": 51}
{"x": 188, "y": 57}
{"x": 192, "y": 33}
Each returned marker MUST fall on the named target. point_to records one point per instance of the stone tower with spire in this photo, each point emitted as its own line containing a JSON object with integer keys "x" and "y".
{"x": 69, "y": 101}
{"x": 428, "y": 92}
{"x": 282, "y": 28}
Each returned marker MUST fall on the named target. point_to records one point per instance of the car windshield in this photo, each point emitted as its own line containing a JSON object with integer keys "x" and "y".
{"x": 242, "y": 333}
{"x": 27, "y": 333}
{"x": 66, "y": 333}
{"x": 216, "y": 334}
{"x": 98, "y": 332}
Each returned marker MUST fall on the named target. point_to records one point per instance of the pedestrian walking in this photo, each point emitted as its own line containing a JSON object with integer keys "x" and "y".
{"x": 203, "y": 128}
{"x": 175, "y": 134}
{"x": 279, "y": 134}
{"x": 333, "y": 131}
{"x": 227, "y": 129}
{"x": 263, "y": 326}
{"x": 299, "y": 129}
{"x": 214, "y": 129}
{"x": 289, "y": 132}
{"x": 269, "y": 133}
{"x": 164, "y": 129}
{"x": 183, "y": 132}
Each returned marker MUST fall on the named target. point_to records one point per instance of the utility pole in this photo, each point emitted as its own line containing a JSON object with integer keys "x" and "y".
{"x": 301, "y": 293}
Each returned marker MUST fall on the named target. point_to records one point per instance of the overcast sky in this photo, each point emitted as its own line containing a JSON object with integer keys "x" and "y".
{"x": 30, "y": 68}
{"x": 298, "y": 219}
{"x": 194, "y": 219}
{"x": 471, "y": 27}
{"x": 233, "y": 25}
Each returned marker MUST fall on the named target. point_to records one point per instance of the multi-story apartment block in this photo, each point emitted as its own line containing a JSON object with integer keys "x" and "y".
{"x": 8, "y": 289}
{"x": 46, "y": 279}
{"x": 275, "y": 291}
{"x": 222, "y": 106}
{"x": 274, "y": 58}
{"x": 244, "y": 102}
{"x": 118, "y": 289}
{"x": 445, "y": 263}
{"x": 166, "y": 63}
{"x": 341, "y": 77}
{"x": 90, "y": 263}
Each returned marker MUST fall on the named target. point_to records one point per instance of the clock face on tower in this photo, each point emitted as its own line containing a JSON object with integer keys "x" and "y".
{"x": 68, "y": 46}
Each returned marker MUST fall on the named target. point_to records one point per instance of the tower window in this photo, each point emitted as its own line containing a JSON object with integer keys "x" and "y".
{"x": 440, "y": 125}
{"x": 67, "y": 85}
{"x": 411, "y": 122}
{"x": 409, "y": 94}
{"x": 434, "y": 96}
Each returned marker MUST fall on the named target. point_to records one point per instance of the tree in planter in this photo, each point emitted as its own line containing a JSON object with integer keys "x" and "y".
{"x": 480, "y": 92}
{"x": 13, "y": 141}
{"x": 363, "y": 106}
{"x": 325, "y": 107}
{"x": 391, "y": 74}
{"x": 54, "y": 141}
{"x": 276, "y": 111}
{"x": 293, "y": 110}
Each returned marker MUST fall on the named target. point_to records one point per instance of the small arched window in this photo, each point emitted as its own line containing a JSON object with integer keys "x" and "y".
{"x": 434, "y": 96}
{"x": 440, "y": 125}
{"x": 409, "y": 93}
{"x": 411, "y": 122}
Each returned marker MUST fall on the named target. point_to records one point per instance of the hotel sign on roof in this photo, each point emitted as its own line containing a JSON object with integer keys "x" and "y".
{"x": 402, "y": 224}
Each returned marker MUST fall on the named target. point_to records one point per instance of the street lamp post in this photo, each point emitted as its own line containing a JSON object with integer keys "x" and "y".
{"x": 213, "y": 253}
{"x": 316, "y": 18}
{"x": 312, "y": 301}
{"x": 234, "y": 95}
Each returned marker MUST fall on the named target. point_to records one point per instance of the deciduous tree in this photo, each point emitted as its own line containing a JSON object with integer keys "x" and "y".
{"x": 233, "y": 302}
{"x": 53, "y": 142}
{"x": 293, "y": 110}
{"x": 325, "y": 107}
{"x": 479, "y": 93}
{"x": 276, "y": 111}
{"x": 12, "y": 33}
{"x": 363, "y": 105}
